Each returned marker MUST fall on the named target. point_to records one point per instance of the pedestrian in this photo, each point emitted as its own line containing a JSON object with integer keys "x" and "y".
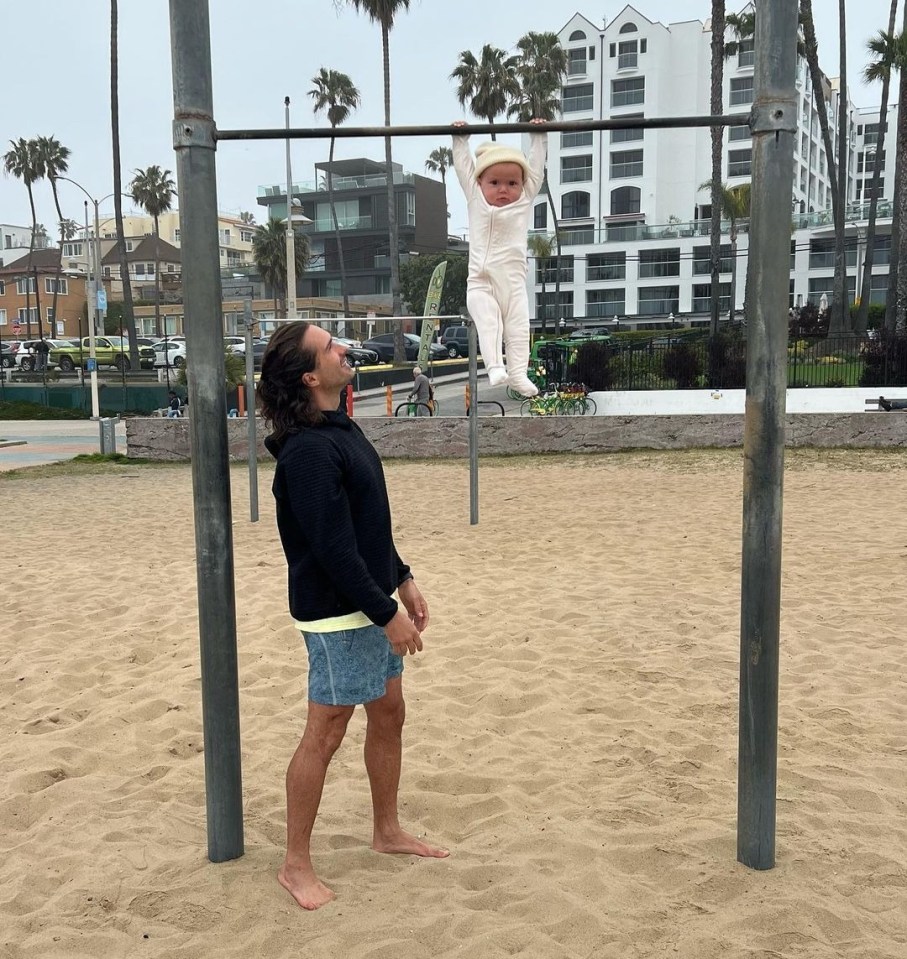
{"x": 421, "y": 394}
{"x": 334, "y": 522}
{"x": 42, "y": 349}
{"x": 173, "y": 405}
{"x": 500, "y": 186}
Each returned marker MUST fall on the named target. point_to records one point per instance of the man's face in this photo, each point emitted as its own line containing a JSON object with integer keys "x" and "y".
{"x": 502, "y": 184}
{"x": 331, "y": 364}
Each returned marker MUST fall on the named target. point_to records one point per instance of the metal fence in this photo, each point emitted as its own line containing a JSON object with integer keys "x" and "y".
{"x": 703, "y": 362}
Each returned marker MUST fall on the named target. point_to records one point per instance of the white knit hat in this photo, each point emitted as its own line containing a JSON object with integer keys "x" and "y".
{"x": 488, "y": 154}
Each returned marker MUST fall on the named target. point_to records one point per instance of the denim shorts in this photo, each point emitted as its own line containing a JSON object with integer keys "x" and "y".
{"x": 350, "y": 667}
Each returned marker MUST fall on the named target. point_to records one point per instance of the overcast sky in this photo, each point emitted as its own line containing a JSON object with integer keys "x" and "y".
{"x": 56, "y": 68}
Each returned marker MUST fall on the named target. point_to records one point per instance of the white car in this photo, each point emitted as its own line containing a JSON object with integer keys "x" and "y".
{"x": 169, "y": 353}
{"x": 27, "y": 356}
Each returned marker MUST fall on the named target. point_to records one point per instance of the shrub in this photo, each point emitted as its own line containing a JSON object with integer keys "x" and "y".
{"x": 727, "y": 361}
{"x": 682, "y": 364}
{"x": 885, "y": 360}
{"x": 592, "y": 366}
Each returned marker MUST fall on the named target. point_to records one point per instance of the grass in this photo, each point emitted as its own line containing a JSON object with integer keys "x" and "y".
{"x": 35, "y": 411}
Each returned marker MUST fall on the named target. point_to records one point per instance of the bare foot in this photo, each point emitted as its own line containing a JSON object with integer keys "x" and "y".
{"x": 406, "y": 844}
{"x": 305, "y": 887}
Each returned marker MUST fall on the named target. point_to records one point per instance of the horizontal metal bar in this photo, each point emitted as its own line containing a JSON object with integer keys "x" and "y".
{"x": 447, "y": 129}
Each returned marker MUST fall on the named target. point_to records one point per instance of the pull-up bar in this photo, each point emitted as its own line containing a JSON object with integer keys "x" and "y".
{"x": 448, "y": 129}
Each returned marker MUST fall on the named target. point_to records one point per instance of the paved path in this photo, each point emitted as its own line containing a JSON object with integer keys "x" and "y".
{"x": 50, "y": 441}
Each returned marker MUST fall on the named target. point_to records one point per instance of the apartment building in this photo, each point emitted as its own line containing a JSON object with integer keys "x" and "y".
{"x": 27, "y": 298}
{"x": 632, "y": 207}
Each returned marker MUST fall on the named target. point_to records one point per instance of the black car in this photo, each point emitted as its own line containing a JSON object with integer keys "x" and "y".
{"x": 383, "y": 345}
{"x": 359, "y": 356}
{"x": 455, "y": 340}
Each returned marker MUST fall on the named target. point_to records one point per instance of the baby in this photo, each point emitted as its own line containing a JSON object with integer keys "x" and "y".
{"x": 500, "y": 185}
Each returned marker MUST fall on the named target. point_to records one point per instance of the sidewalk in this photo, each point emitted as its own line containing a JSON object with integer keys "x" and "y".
{"x": 37, "y": 442}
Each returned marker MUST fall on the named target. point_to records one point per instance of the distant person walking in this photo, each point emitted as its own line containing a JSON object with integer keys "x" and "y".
{"x": 334, "y": 521}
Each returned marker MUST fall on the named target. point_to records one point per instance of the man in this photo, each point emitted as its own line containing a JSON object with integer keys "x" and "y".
{"x": 174, "y": 407}
{"x": 334, "y": 521}
{"x": 421, "y": 392}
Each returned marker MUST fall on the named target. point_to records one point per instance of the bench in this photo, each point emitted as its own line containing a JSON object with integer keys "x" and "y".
{"x": 887, "y": 404}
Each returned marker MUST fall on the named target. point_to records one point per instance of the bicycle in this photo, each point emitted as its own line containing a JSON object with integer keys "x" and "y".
{"x": 545, "y": 404}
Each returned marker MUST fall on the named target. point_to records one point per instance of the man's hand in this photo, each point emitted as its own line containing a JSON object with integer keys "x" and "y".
{"x": 414, "y": 602}
{"x": 403, "y": 635}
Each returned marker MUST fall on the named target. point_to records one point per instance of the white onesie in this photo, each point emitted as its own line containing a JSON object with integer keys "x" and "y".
{"x": 496, "y": 287}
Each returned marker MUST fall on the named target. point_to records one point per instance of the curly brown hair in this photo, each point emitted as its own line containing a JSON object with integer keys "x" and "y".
{"x": 283, "y": 398}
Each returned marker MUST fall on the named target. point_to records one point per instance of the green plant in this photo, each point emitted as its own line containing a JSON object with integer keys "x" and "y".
{"x": 234, "y": 371}
{"x": 682, "y": 364}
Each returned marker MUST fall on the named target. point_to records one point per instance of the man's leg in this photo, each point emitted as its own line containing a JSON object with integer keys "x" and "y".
{"x": 324, "y": 731}
{"x": 383, "y": 751}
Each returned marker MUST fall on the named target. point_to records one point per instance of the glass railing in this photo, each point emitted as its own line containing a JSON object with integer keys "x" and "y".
{"x": 344, "y": 222}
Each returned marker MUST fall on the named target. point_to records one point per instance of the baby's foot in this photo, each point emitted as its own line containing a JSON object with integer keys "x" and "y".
{"x": 522, "y": 384}
{"x": 496, "y": 375}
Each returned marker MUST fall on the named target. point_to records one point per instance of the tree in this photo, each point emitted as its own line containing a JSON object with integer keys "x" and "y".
{"x": 488, "y": 84}
{"x": 118, "y": 190}
{"x": 734, "y": 205}
{"x": 416, "y": 274}
{"x": 269, "y": 252}
{"x": 246, "y": 217}
{"x": 839, "y": 321}
{"x": 22, "y": 163}
{"x": 884, "y": 49}
{"x": 153, "y": 190}
{"x": 336, "y": 93}
{"x": 896, "y": 313}
{"x": 541, "y": 70}
{"x": 541, "y": 247}
{"x": 383, "y": 13}
{"x": 53, "y": 162}
{"x": 716, "y": 106}
{"x": 817, "y": 81}
{"x": 440, "y": 161}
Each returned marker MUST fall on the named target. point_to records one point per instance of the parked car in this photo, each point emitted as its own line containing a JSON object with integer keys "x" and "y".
{"x": 109, "y": 351}
{"x": 383, "y": 345}
{"x": 27, "y": 356}
{"x": 258, "y": 350}
{"x": 591, "y": 332}
{"x": 359, "y": 356}
{"x": 455, "y": 340}
{"x": 169, "y": 353}
{"x": 8, "y": 352}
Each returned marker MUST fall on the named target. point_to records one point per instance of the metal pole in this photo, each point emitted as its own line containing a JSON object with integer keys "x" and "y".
{"x": 193, "y": 140}
{"x": 774, "y": 124}
{"x": 250, "y": 414}
{"x": 473, "y": 339}
{"x": 92, "y": 316}
{"x": 291, "y": 237}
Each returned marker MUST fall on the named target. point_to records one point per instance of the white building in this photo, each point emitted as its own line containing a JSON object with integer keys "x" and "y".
{"x": 633, "y": 218}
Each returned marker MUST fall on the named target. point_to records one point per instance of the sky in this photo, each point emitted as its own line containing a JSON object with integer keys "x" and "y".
{"x": 271, "y": 49}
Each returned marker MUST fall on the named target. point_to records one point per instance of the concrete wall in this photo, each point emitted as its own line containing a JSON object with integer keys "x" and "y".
{"x": 446, "y": 436}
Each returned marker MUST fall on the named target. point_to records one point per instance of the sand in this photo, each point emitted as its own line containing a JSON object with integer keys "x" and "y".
{"x": 571, "y": 732}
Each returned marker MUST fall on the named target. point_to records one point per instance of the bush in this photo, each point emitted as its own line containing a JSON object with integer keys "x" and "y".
{"x": 885, "y": 360}
{"x": 727, "y": 361}
{"x": 592, "y": 365}
{"x": 682, "y": 364}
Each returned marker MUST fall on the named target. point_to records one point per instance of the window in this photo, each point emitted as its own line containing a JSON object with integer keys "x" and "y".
{"x": 547, "y": 305}
{"x": 583, "y": 139}
{"x": 27, "y": 316}
{"x": 129, "y": 246}
{"x": 881, "y": 250}
{"x": 822, "y": 253}
{"x": 176, "y": 236}
{"x": 575, "y": 205}
{"x": 245, "y": 236}
{"x": 628, "y": 28}
{"x": 576, "y": 35}
{"x": 626, "y": 163}
{"x": 72, "y": 249}
{"x": 577, "y": 98}
{"x": 627, "y": 92}
{"x": 663, "y": 262}
{"x": 739, "y": 133}
{"x": 739, "y": 163}
{"x": 25, "y": 285}
{"x": 540, "y": 217}
{"x": 870, "y": 133}
{"x": 577, "y": 236}
{"x": 702, "y": 297}
{"x": 50, "y": 316}
{"x": 602, "y": 303}
{"x": 62, "y": 285}
{"x": 576, "y": 169}
{"x": 625, "y": 200}
{"x": 658, "y": 299}
{"x": 576, "y": 62}
{"x": 606, "y": 266}
{"x": 746, "y": 53}
{"x": 626, "y": 136}
{"x": 866, "y": 162}
{"x": 741, "y": 90}
{"x": 225, "y": 237}
{"x": 626, "y": 55}
{"x": 702, "y": 260}
{"x": 546, "y": 269}
{"x": 2, "y": 317}
{"x": 2, "y": 288}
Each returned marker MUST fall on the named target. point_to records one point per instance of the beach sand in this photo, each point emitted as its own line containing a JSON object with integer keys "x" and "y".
{"x": 571, "y": 731}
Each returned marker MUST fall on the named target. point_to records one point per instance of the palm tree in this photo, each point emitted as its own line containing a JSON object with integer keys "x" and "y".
{"x": 811, "y": 53}
{"x": 541, "y": 70}
{"x": 884, "y": 49}
{"x": 440, "y": 161}
{"x": 896, "y": 312}
{"x": 839, "y": 322}
{"x": 269, "y": 252}
{"x": 53, "y": 160}
{"x": 153, "y": 190}
{"x": 486, "y": 84}
{"x": 128, "y": 311}
{"x": 246, "y": 217}
{"x": 22, "y": 162}
{"x": 335, "y": 92}
{"x": 383, "y": 12}
{"x": 541, "y": 247}
{"x": 734, "y": 205}
{"x": 716, "y": 106}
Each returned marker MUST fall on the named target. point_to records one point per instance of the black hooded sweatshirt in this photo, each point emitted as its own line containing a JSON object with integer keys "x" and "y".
{"x": 334, "y": 520}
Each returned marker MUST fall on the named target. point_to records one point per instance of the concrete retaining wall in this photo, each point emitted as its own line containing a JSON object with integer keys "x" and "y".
{"x": 446, "y": 436}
